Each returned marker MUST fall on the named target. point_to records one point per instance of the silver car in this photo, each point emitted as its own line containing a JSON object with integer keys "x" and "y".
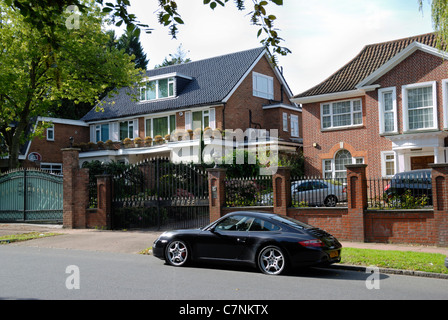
{"x": 317, "y": 193}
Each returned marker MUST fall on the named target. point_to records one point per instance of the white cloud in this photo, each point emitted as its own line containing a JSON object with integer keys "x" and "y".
{"x": 322, "y": 34}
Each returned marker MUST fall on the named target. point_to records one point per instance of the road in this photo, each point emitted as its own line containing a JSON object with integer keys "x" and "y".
{"x": 45, "y": 273}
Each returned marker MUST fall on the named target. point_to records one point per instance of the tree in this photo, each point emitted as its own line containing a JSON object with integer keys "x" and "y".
{"x": 439, "y": 14}
{"x": 177, "y": 58}
{"x": 130, "y": 43}
{"x": 43, "y": 13}
{"x": 36, "y": 72}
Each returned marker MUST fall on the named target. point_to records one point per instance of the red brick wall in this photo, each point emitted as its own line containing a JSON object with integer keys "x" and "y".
{"x": 366, "y": 140}
{"x": 51, "y": 150}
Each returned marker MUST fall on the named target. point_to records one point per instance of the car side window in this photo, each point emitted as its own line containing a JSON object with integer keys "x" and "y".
{"x": 263, "y": 225}
{"x": 235, "y": 223}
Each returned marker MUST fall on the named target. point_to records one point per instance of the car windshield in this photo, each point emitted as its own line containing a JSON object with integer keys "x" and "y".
{"x": 292, "y": 222}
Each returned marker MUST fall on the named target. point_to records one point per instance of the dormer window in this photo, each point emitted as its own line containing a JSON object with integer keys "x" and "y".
{"x": 157, "y": 89}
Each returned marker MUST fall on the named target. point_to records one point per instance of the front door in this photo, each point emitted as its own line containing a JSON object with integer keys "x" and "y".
{"x": 421, "y": 162}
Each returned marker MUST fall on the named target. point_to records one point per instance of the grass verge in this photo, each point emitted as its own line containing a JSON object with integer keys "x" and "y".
{"x": 25, "y": 236}
{"x": 405, "y": 260}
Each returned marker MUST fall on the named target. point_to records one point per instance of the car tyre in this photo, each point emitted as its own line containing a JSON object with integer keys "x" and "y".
{"x": 331, "y": 201}
{"x": 177, "y": 253}
{"x": 271, "y": 260}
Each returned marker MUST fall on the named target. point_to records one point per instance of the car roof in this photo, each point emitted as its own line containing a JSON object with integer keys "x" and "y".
{"x": 419, "y": 171}
{"x": 258, "y": 214}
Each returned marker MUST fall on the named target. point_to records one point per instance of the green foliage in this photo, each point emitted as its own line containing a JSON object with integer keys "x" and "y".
{"x": 75, "y": 65}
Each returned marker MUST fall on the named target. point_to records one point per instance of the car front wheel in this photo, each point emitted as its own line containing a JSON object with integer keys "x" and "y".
{"x": 177, "y": 253}
{"x": 331, "y": 201}
{"x": 271, "y": 260}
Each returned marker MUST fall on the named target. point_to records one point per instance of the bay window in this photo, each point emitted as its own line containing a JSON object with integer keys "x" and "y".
{"x": 157, "y": 89}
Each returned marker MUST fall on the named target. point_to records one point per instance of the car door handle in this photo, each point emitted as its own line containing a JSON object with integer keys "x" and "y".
{"x": 241, "y": 240}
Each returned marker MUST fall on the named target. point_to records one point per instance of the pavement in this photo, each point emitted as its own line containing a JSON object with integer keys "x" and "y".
{"x": 134, "y": 241}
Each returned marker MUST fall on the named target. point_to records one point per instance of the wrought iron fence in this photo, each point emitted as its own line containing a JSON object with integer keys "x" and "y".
{"x": 400, "y": 192}
{"x": 246, "y": 192}
{"x": 318, "y": 192}
{"x": 159, "y": 193}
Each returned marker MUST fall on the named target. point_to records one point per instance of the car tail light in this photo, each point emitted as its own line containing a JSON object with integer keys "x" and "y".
{"x": 387, "y": 187}
{"x": 315, "y": 243}
{"x": 344, "y": 190}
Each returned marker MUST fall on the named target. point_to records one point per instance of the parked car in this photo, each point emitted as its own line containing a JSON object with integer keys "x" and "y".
{"x": 417, "y": 183}
{"x": 270, "y": 242}
{"x": 318, "y": 192}
{"x": 315, "y": 193}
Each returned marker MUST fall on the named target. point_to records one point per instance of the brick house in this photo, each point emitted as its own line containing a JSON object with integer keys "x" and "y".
{"x": 387, "y": 107}
{"x": 44, "y": 151}
{"x": 242, "y": 90}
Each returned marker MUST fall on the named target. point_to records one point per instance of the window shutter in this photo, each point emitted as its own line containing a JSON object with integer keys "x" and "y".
{"x": 212, "y": 121}
{"x": 114, "y": 131}
{"x": 187, "y": 120}
{"x": 136, "y": 128}
{"x": 92, "y": 133}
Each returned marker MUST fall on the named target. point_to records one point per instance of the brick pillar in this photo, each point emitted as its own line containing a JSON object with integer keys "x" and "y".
{"x": 439, "y": 230}
{"x": 104, "y": 209}
{"x": 357, "y": 200}
{"x": 216, "y": 191}
{"x": 76, "y": 190}
{"x": 281, "y": 183}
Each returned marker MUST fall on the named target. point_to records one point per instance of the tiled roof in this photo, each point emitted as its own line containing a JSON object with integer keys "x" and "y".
{"x": 212, "y": 80}
{"x": 365, "y": 63}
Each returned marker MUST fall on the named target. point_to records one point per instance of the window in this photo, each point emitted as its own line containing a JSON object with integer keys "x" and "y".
{"x": 101, "y": 132}
{"x": 157, "y": 89}
{"x": 335, "y": 168}
{"x": 387, "y": 163}
{"x": 55, "y": 168}
{"x": 341, "y": 114}
{"x": 294, "y": 125}
{"x": 387, "y": 100}
{"x": 285, "y": 121}
{"x": 126, "y": 130}
{"x": 235, "y": 223}
{"x": 262, "y": 225}
{"x": 160, "y": 126}
{"x": 420, "y": 106}
{"x": 200, "y": 119}
{"x": 50, "y": 133}
{"x": 263, "y": 86}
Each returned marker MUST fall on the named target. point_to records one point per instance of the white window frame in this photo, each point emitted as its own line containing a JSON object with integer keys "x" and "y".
{"x": 332, "y": 171}
{"x": 445, "y": 102}
{"x": 382, "y": 111}
{"x": 384, "y": 160}
{"x": 258, "y": 92}
{"x": 55, "y": 168}
{"x": 211, "y": 118}
{"x": 405, "y": 89}
{"x": 170, "y": 130}
{"x": 294, "y": 125}
{"x": 50, "y": 129}
{"x": 331, "y": 115}
{"x": 98, "y": 129}
{"x": 171, "y": 82}
{"x": 285, "y": 122}
{"x": 134, "y": 131}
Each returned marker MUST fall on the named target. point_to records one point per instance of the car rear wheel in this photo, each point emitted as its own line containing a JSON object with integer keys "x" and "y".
{"x": 331, "y": 201}
{"x": 177, "y": 253}
{"x": 271, "y": 260}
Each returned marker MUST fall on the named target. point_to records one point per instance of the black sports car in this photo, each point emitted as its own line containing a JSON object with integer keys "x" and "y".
{"x": 270, "y": 242}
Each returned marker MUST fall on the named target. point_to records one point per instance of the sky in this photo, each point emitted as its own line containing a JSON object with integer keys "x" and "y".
{"x": 323, "y": 35}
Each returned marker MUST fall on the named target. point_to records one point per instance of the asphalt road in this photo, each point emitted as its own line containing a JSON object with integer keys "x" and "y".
{"x": 48, "y": 273}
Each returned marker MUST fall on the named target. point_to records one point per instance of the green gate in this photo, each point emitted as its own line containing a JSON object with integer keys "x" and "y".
{"x": 29, "y": 195}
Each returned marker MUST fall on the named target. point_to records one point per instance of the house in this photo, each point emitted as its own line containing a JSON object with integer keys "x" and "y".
{"x": 44, "y": 151}
{"x": 387, "y": 108}
{"x": 241, "y": 90}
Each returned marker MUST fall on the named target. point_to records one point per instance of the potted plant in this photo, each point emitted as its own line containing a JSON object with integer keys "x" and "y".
{"x": 167, "y": 137}
{"x": 128, "y": 143}
{"x": 190, "y": 133}
{"x": 109, "y": 145}
{"x": 148, "y": 141}
{"x": 100, "y": 145}
{"x": 158, "y": 139}
{"x": 138, "y": 142}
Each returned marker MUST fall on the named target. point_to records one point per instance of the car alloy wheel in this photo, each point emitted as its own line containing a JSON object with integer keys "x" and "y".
{"x": 177, "y": 253}
{"x": 271, "y": 260}
{"x": 330, "y": 201}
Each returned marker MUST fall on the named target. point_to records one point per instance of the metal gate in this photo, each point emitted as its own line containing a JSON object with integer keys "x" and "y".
{"x": 30, "y": 195}
{"x": 159, "y": 194}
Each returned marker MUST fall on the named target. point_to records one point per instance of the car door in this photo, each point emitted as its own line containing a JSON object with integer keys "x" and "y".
{"x": 225, "y": 241}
